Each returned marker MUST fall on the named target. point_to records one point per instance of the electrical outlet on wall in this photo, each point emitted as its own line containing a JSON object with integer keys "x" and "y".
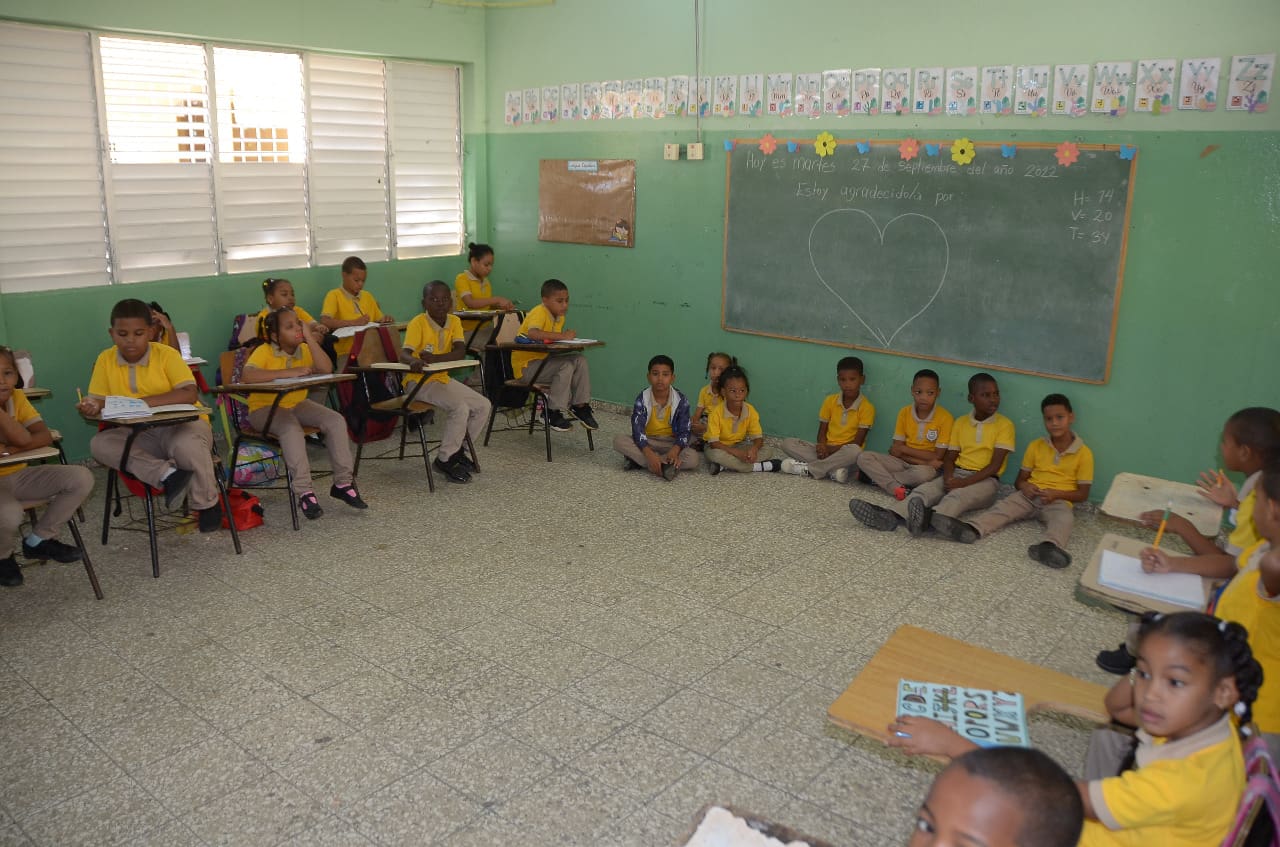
{"x": 671, "y": 152}
{"x": 694, "y": 152}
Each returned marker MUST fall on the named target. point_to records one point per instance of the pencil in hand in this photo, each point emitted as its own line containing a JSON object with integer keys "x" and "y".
{"x": 1164, "y": 521}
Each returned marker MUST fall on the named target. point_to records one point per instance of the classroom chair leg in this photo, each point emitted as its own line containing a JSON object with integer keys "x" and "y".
{"x": 150, "y": 507}
{"x": 84, "y": 557}
{"x": 591, "y": 443}
{"x": 226, "y": 511}
{"x": 106, "y": 507}
{"x": 293, "y": 501}
{"x": 355, "y": 470}
{"x": 471, "y": 448}
{"x": 426, "y": 457}
{"x": 488, "y": 430}
{"x": 404, "y": 433}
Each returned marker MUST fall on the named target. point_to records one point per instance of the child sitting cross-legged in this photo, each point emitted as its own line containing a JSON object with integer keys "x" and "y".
{"x": 843, "y": 423}
{"x": 660, "y": 431}
{"x": 920, "y": 439}
{"x": 734, "y": 437}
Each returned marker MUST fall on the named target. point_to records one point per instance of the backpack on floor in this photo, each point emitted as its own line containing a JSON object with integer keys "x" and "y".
{"x": 246, "y": 510}
{"x": 356, "y": 398}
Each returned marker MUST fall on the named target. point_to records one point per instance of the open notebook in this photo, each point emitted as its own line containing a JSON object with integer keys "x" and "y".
{"x": 116, "y": 407}
{"x": 1124, "y": 573}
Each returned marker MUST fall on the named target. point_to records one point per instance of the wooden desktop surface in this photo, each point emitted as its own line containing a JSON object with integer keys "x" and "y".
{"x": 33, "y": 455}
{"x": 274, "y": 387}
{"x": 1132, "y": 494}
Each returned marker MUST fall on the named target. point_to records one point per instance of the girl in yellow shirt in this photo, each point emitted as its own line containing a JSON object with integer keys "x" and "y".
{"x": 279, "y": 295}
{"x": 709, "y": 397}
{"x": 471, "y": 288}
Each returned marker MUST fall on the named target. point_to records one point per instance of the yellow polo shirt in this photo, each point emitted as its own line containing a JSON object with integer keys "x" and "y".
{"x": 302, "y": 314}
{"x": 159, "y": 371}
{"x": 977, "y": 440}
{"x": 466, "y": 283}
{"x": 1245, "y": 533}
{"x": 269, "y": 357}
{"x": 923, "y": 433}
{"x": 708, "y": 399}
{"x": 1245, "y": 601}
{"x": 339, "y": 303}
{"x": 659, "y": 423}
{"x": 21, "y": 410}
{"x": 843, "y": 423}
{"x": 423, "y": 331}
{"x": 1058, "y": 471}
{"x": 725, "y": 428}
{"x": 539, "y": 318}
{"x": 1184, "y": 793}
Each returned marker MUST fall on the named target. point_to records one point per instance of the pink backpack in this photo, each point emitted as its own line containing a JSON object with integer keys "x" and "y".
{"x": 1258, "y": 819}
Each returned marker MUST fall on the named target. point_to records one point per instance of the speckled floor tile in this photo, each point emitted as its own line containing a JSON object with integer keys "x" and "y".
{"x": 59, "y": 773}
{"x": 623, "y": 691}
{"x": 568, "y": 804}
{"x": 492, "y": 768}
{"x": 778, "y": 754}
{"x": 637, "y": 761}
{"x": 366, "y": 697}
{"x": 153, "y": 733}
{"x": 107, "y": 814}
{"x": 429, "y": 728}
{"x": 696, "y": 721}
{"x": 562, "y": 726}
{"x": 418, "y": 809}
{"x": 330, "y": 832}
{"x": 346, "y": 771}
{"x": 712, "y": 782}
{"x": 557, "y": 662}
{"x": 297, "y": 730}
{"x": 263, "y": 812}
{"x": 747, "y": 685}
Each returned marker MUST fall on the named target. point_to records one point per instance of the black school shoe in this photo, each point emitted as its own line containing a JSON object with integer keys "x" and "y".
{"x": 558, "y": 422}
{"x": 210, "y": 519}
{"x": 1118, "y": 661}
{"x": 918, "y": 517}
{"x": 462, "y": 457}
{"x": 1050, "y": 554}
{"x": 175, "y": 487}
{"x": 10, "y": 573}
{"x": 583, "y": 414}
{"x": 876, "y": 517}
{"x": 310, "y": 506}
{"x": 348, "y": 495}
{"x": 51, "y": 548}
{"x": 954, "y": 529}
{"x": 453, "y": 469}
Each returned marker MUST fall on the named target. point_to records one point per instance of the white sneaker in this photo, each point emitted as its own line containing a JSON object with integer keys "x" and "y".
{"x": 793, "y": 467}
{"x": 840, "y": 475}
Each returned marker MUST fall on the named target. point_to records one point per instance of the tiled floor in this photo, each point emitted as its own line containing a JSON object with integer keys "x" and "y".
{"x": 555, "y": 654}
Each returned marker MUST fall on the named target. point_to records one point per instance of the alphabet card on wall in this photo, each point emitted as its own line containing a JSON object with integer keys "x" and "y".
{"x": 987, "y": 718}
{"x": 515, "y": 103}
{"x": 778, "y": 91}
{"x": 592, "y": 100}
{"x": 610, "y": 100}
{"x": 895, "y": 91}
{"x": 655, "y": 97}
{"x": 1154, "y": 92}
{"x": 1111, "y": 88}
{"x": 928, "y": 92}
{"x": 809, "y": 95}
{"x": 866, "y": 91}
{"x": 532, "y": 106}
{"x": 1032, "y": 90}
{"x": 632, "y": 97}
{"x": 997, "y": 90}
{"x": 570, "y": 102}
{"x": 836, "y": 87}
{"x": 752, "y": 95}
{"x": 1198, "y": 87}
{"x": 1070, "y": 88}
{"x": 678, "y": 96}
{"x": 1249, "y": 86}
{"x": 704, "y": 96}
{"x": 550, "y": 103}
{"x": 725, "y": 103}
{"x": 962, "y": 91}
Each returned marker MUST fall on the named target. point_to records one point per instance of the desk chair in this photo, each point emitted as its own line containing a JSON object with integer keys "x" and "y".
{"x": 1258, "y": 818}
{"x": 30, "y": 506}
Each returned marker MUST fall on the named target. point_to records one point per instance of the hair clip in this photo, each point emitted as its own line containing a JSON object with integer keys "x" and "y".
{"x": 1239, "y": 708}
{"x": 1222, "y": 627}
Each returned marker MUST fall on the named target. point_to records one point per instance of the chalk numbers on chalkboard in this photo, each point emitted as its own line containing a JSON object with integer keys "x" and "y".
{"x": 1092, "y": 225}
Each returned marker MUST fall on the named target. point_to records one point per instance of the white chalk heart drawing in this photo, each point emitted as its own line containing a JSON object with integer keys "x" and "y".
{"x": 885, "y": 276}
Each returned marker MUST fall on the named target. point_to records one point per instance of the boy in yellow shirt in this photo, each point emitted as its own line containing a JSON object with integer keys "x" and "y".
{"x": 980, "y": 445}
{"x": 660, "y": 429}
{"x": 569, "y": 377}
{"x": 436, "y": 336}
{"x": 920, "y": 440}
{"x": 1056, "y": 472}
{"x": 350, "y": 305}
{"x": 172, "y": 458}
{"x": 843, "y": 423}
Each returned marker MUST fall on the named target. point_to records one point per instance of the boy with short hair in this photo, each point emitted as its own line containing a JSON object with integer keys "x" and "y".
{"x": 569, "y": 378}
{"x": 173, "y": 458}
{"x": 843, "y": 423}
{"x": 1056, "y": 472}
{"x": 660, "y": 426}
{"x": 980, "y": 445}
{"x": 436, "y": 336}
{"x": 920, "y": 440}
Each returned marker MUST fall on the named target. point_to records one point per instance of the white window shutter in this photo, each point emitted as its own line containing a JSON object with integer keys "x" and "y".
{"x": 159, "y": 169}
{"x": 347, "y": 170}
{"x": 53, "y": 230}
{"x": 426, "y": 159}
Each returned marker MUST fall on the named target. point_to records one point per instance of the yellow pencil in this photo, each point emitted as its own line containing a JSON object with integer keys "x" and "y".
{"x": 79, "y": 395}
{"x": 1164, "y": 521}
{"x": 1222, "y": 477}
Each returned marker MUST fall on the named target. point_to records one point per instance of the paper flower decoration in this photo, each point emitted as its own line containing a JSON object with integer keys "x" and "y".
{"x": 909, "y": 149}
{"x": 792, "y": 147}
{"x": 864, "y": 147}
{"x": 1008, "y": 151}
{"x": 1127, "y": 151}
{"x": 931, "y": 149}
{"x": 962, "y": 151}
{"x": 826, "y": 144}
{"x": 1067, "y": 154}
{"x": 768, "y": 144}
{"x": 728, "y": 145}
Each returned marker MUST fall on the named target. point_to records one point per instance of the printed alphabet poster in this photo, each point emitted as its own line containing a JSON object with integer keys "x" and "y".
{"x": 610, "y": 100}
{"x": 962, "y": 91}
{"x": 809, "y": 95}
{"x": 592, "y": 100}
{"x": 704, "y": 96}
{"x": 725, "y": 102}
{"x": 1198, "y": 87}
{"x": 836, "y": 87}
{"x": 550, "y": 103}
{"x": 1111, "y": 94}
{"x": 866, "y": 91}
{"x": 997, "y": 90}
{"x": 1155, "y": 85}
{"x": 895, "y": 91}
{"x": 751, "y": 92}
{"x": 570, "y": 101}
{"x": 987, "y": 718}
{"x": 532, "y": 106}
{"x": 1070, "y": 89}
{"x": 778, "y": 91}
{"x": 632, "y": 95}
{"x": 515, "y": 104}
{"x": 655, "y": 97}
{"x": 678, "y": 96}
{"x": 1249, "y": 86}
{"x": 1031, "y": 95}
{"x": 928, "y": 92}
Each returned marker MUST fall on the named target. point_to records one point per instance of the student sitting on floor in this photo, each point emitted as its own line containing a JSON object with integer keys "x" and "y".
{"x": 64, "y": 486}
{"x": 436, "y": 336}
{"x": 734, "y": 437}
{"x": 1000, "y": 797}
{"x": 843, "y": 423}
{"x": 568, "y": 376}
{"x": 291, "y": 352}
{"x": 171, "y": 458}
{"x": 709, "y": 396}
{"x": 980, "y": 444}
{"x": 350, "y": 305}
{"x": 659, "y": 438}
{"x": 1056, "y": 472}
{"x": 920, "y": 439}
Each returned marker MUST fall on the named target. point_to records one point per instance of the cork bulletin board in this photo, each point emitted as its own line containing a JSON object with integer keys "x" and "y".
{"x": 587, "y": 201}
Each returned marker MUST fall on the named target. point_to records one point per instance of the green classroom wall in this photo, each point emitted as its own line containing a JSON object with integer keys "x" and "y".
{"x": 1197, "y": 319}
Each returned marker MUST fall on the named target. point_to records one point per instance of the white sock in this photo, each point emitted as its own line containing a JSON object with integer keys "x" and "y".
{"x": 762, "y": 467}
{"x": 33, "y": 540}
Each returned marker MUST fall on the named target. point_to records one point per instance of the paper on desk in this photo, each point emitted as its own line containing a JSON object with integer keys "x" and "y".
{"x": 351, "y": 331}
{"x": 577, "y": 341}
{"x": 301, "y": 380}
{"x": 1124, "y": 573}
{"x": 115, "y": 407}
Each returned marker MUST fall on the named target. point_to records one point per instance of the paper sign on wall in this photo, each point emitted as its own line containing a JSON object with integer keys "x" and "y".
{"x": 1198, "y": 86}
{"x": 962, "y": 91}
{"x": 1154, "y": 92}
{"x": 1031, "y": 95}
{"x": 895, "y": 91}
{"x": 809, "y": 95}
{"x": 1249, "y": 86}
{"x": 1070, "y": 89}
{"x": 927, "y": 98}
{"x": 778, "y": 93}
{"x": 996, "y": 97}
{"x": 1111, "y": 94}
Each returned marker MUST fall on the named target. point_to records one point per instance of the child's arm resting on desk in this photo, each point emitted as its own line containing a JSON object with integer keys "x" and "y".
{"x": 927, "y": 737}
{"x": 475, "y": 301}
{"x": 546, "y": 336}
{"x": 1216, "y": 566}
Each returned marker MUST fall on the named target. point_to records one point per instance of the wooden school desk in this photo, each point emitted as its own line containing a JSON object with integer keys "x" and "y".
{"x": 870, "y": 702}
{"x": 1132, "y": 494}
{"x": 36, "y": 393}
{"x": 1122, "y": 599}
{"x": 481, "y": 317}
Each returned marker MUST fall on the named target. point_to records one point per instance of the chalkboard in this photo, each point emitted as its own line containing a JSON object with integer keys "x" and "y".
{"x": 1013, "y": 261}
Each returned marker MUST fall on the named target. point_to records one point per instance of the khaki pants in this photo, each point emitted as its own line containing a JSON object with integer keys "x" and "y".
{"x": 568, "y": 378}
{"x": 889, "y": 472}
{"x": 187, "y": 446}
{"x": 1056, "y": 517}
{"x": 806, "y": 451}
{"x": 626, "y": 445}
{"x": 730, "y": 462}
{"x": 953, "y": 504}
{"x": 466, "y": 413}
{"x": 286, "y": 427}
{"x": 65, "y": 487}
